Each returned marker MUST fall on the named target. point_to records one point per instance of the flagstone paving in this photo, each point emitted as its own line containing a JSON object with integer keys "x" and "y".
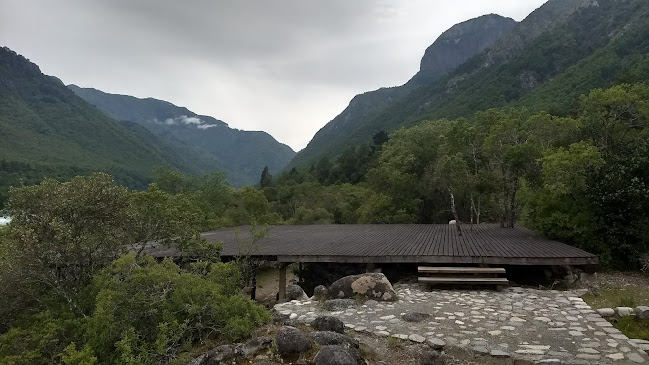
{"x": 542, "y": 326}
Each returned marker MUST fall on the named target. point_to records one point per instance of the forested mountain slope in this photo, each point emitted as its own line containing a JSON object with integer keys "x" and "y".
{"x": 49, "y": 131}
{"x": 452, "y": 48}
{"x": 211, "y": 143}
{"x": 560, "y": 51}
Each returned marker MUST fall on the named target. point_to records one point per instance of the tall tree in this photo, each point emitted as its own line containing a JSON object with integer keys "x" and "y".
{"x": 266, "y": 178}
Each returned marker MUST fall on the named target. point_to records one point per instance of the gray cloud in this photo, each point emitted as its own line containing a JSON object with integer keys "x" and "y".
{"x": 283, "y": 66}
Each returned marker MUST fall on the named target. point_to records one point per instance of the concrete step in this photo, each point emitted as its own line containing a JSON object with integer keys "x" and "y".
{"x": 460, "y": 270}
{"x": 466, "y": 281}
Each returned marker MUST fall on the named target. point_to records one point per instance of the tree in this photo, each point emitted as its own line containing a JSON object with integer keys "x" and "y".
{"x": 64, "y": 233}
{"x": 266, "y": 178}
{"x": 511, "y": 154}
{"x": 615, "y": 117}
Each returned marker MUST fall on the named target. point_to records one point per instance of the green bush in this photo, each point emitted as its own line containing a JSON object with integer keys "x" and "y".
{"x": 148, "y": 312}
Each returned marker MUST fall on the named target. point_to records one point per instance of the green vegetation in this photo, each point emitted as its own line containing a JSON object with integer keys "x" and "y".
{"x": 630, "y": 296}
{"x": 633, "y": 328}
{"x": 77, "y": 288}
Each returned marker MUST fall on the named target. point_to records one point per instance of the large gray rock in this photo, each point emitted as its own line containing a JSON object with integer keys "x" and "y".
{"x": 415, "y": 317}
{"x": 642, "y": 312}
{"x": 337, "y": 355}
{"x": 328, "y": 323}
{"x": 319, "y": 293}
{"x": 333, "y": 305}
{"x": 284, "y": 320}
{"x": 606, "y": 312}
{"x": 324, "y": 338}
{"x": 295, "y": 292}
{"x": 623, "y": 311}
{"x": 255, "y": 345}
{"x": 372, "y": 285}
{"x": 219, "y": 355}
{"x": 431, "y": 358}
{"x": 291, "y": 340}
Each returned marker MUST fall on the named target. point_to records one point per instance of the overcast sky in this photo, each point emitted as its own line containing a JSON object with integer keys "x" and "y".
{"x": 283, "y": 66}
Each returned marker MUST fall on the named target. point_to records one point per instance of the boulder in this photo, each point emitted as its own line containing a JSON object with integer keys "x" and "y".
{"x": 623, "y": 311}
{"x": 328, "y": 323}
{"x": 334, "y": 305}
{"x": 290, "y": 340}
{"x": 337, "y": 355}
{"x": 415, "y": 317}
{"x": 436, "y": 343}
{"x": 431, "y": 358}
{"x": 219, "y": 355}
{"x": 372, "y": 285}
{"x": 255, "y": 345}
{"x": 642, "y": 312}
{"x": 198, "y": 360}
{"x": 295, "y": 292}
{"x": 606, "y": 312}
{"x": 283, "y": 319}
{"x": 326, "y": 338}
{"x": 319, "y": 293}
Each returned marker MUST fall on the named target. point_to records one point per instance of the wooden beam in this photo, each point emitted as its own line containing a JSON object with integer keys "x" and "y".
{"x": 571, "y": 261}
{"x": 282, "y": 282}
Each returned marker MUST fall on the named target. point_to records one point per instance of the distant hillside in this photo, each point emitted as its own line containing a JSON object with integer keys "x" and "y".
{"x": 48, "y": 131}
{"x": 241, "y": 154}
{"x": 452, "y": 48}
{"x": 560, "y": 51}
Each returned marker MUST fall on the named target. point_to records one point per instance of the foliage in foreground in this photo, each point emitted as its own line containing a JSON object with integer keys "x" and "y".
{"x": 77, "y": 288}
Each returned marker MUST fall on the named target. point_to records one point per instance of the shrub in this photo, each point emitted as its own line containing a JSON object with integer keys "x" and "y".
{"x": 149, "y": 312}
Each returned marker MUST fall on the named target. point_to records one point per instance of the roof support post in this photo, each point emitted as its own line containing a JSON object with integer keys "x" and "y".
{"x": 282, "y": 282}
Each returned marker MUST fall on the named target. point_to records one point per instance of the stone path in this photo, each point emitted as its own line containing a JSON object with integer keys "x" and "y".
{"x": 542, "y": 326}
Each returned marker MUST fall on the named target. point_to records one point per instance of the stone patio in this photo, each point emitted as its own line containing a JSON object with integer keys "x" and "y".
{"x": 542, "y": 326}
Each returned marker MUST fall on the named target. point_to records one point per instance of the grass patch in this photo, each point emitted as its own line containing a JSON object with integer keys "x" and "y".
{"x": 633, "y": 328}
{"x": 626, "y": 297}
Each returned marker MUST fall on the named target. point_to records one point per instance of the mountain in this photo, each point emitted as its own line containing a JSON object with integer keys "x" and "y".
{"x": 452, "y": 48}
{"x": 48, "y": 131}
{"x": 241, "y": 154}
{"x": 544, "y": 63}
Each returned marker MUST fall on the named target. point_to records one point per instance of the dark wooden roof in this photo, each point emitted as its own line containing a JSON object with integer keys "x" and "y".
{"x": 406, "y": 243}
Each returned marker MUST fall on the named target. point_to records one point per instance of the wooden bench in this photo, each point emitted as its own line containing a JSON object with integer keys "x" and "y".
{"x": 462, "y": 276}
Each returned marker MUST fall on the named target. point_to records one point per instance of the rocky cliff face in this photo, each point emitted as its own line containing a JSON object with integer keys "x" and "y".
{"x": 451, "y": 49}
{"x": 461, "y": 42}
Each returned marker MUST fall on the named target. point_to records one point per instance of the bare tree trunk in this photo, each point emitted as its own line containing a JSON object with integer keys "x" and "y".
{"x": 477, "y": 213}
{"x": 512, "y": 209}
{"x": 472, "y": 209}
{"x": 504, "y": 213}
{"x": 454, "y": 211}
